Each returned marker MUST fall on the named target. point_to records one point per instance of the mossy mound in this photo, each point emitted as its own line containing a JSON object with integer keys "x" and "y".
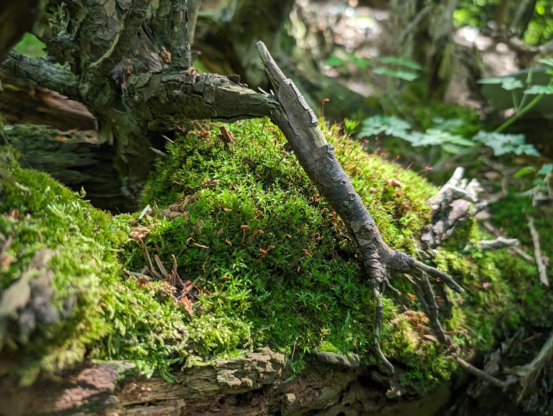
{"x": 295, "y": 286}
{"x": 39, "y": 213}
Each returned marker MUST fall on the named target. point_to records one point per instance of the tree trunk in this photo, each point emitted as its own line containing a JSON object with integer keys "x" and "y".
{"x": 425, "y": 30}
{"x": 227, "y": 50}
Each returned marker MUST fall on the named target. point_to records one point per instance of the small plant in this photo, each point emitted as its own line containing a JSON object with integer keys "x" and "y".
{"x": 511, "y": 84}
{"x": 390, "y": 66}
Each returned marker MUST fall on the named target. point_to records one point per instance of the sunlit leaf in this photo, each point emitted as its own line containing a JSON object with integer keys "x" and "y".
{"x": 335, "y": 60}
{"x": 506, "y": 143}
{"x": 545, "y": 169}
{"x": 546, "y": 61}
{"x": 406, "y": 75}
{"x": 393, "y": 60}
{"x": 540, "y": 89}
{"x": 507, "y": 83}
{"x": 390, "y": 126}
{"x": 524, "y": 171}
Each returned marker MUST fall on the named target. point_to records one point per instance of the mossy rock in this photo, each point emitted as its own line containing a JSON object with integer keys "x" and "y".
{"x": 295, "y": 286}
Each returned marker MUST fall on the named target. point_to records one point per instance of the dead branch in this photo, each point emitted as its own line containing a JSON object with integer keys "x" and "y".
{"x": 43, "y": 73}
{"x": 451, "y": 207}
{"x": 537, "y": 251}
{"x": 498, "y": 243}
{"x": 480, "y": 374}
{"x": 300, "y": 127}
{"x": 513, "y": 249}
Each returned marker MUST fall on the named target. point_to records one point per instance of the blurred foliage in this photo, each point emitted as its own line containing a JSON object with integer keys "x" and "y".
{"x": 30, "y": 46}
{"x": 536, "y": 26}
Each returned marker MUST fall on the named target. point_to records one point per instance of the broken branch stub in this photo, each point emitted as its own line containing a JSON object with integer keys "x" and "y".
{"x": 300, "y": 126}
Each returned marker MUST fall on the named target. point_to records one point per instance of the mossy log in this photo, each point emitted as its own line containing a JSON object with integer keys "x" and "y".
{"x": 250, "y": 385}
{"x": 300, "y": 295}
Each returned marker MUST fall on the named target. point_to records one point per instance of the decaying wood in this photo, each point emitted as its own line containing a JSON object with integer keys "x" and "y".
{"x": 537, "y": 363}
{"x": 77, "y": 159}
{"x": 451, "y": 207}
{"x": 513, "y": 249}
{"x": 252, "y": 385}
{"x": 498, "y": 243}
{"x": 24, "y": 103}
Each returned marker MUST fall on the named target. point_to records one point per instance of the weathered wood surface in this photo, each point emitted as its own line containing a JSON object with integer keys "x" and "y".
{"x": 251, "y": 385}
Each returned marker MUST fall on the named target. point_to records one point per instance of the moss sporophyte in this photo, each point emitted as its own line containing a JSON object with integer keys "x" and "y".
{"x": 238, "y": 251}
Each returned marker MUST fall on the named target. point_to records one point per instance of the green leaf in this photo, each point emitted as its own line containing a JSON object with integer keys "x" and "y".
{"x": 393, "y": 60}
{"x": 546, "y": 61}
{"x": 335, "y": 60}
{"x": 510, "y": 83}
{"x": 507, "y": 83}
{"x": 406, "y": 75}
{"x": 490, "y": 81}
{"x": 540, "y": 89}
{"x": 360, "y": 63}
{"x": 524, "y": 171}
{"x": 545, "y": 169}
{"x": 506, "y": 143}
{"x": 391, "y": 126}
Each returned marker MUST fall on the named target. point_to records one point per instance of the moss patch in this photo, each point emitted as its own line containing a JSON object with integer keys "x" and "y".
{"x": 295, "y": 285}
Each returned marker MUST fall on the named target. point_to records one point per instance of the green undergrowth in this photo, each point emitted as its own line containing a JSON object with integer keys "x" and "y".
{"x": 296, "y": 286}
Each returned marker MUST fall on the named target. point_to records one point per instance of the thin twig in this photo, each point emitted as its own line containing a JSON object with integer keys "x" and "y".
{"x": 537, "y": 252}
{"x": 513, "y": 249}
{"x": 480, "y": 374}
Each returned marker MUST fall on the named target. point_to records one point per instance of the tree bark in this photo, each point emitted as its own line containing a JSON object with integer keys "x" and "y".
{"x": 252, "y": 385}
{"x": 425, "y": 36}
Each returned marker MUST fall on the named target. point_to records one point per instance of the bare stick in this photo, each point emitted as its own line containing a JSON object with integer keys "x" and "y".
{"x": 537, "y": 252}
{"x": 498, "y": 243}
{"x": 513, "y": 249}
{"x": 480, "y": 374}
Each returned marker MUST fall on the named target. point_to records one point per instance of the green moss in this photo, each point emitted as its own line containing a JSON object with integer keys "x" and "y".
{"x": 305, "y": 294}
{"x": 41, "y": 213}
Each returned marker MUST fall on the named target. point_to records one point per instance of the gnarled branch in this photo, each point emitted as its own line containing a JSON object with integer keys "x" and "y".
{"x": 43, "y": 73}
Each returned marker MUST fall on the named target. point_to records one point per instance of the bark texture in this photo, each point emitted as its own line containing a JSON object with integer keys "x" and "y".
{"x": 252, "y": 385}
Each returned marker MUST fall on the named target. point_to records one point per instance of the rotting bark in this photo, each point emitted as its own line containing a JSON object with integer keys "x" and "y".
{"x": 24, "y": 103}
{"x": 77, "y": 160}
{"x": 251, "y": 385}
